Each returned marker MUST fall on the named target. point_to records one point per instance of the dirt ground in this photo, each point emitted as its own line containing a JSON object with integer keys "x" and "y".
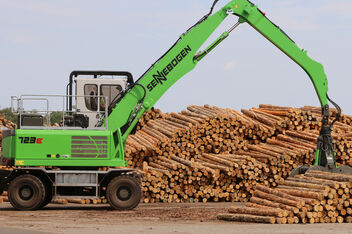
{"x": 146, "y": 218}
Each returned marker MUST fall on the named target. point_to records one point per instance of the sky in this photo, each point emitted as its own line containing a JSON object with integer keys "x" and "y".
{"x": 42, "y": 41}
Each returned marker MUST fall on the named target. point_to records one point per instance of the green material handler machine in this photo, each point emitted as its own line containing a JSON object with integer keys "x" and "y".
{"x": 83, "y": 157}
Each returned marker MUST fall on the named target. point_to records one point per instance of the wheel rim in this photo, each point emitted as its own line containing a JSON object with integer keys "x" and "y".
{"x": 26, "y": 192}
{"x": 124, "y": 193}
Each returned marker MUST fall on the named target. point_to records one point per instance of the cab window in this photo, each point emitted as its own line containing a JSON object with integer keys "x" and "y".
{"x": 91, "y": 99}
{"x": 109, "y": 91}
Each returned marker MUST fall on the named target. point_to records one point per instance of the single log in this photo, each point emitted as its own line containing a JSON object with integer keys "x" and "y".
{"x": 257, "y": 211}
{"x": 279, "y": 193}
{"x": 277, "y": 199}
{"x": 264, "y": 202}
{"x": 59, "y": 201}
{"x": 246, "y": 218}
{"x": 300, "y": 193}
{"x": 77, "y": 201}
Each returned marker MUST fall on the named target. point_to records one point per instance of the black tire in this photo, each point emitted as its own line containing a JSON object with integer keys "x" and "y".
{"x": 26, "y": 192}
{"x": 48, "y": 197}
{"x": 123, "y": 193}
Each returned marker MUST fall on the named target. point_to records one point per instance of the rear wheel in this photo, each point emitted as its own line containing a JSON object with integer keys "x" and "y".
{"x": 123, "y": 193}
{"x": 26, "y": 192}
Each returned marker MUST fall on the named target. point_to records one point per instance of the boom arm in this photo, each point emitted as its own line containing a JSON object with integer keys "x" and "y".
{"x": 182, "y": 58}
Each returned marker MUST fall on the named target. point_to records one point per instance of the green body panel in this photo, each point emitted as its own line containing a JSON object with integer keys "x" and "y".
{"x": 8, "y": 147}
{"x": 177, "y": 62}
{"x": 66, "y": 148}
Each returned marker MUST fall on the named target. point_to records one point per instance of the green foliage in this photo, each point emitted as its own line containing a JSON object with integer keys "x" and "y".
{"x": 55, "y": 117}
{"x": 6, "y": 112}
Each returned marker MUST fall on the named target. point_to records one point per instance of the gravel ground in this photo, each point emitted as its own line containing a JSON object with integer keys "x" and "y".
{"x": 146, "y": 218}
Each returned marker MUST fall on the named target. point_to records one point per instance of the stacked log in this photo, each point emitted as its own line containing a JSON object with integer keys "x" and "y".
{"x": 101, "y": 200}
{"x": 315, "y": 197}
{"x": 200, "y": 129}
{"x": 142, "y": 144}
{"x": 2, "y": 196}
{"x": 346, "y": 119}
{"x": 211, "y": 177}
{"x": 238, "y": 173}
{"x": 95, "y": 201}
{"x": 282, "y": 154}
{"x": 152, "y": 114}
{"x": 297, "y": 118}
{"x": 4, "y": 123}
{"x": 308, "y": 121}
{"x": 202, "y": 136}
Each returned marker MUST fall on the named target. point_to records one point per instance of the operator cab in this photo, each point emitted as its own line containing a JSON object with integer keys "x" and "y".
{"x": 94, "y": 92}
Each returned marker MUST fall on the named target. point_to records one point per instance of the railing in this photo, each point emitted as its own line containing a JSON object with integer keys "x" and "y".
{"x": 18, "y": 107}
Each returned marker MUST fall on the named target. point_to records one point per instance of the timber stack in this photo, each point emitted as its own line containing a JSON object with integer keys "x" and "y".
{"x": 4, "y": 123}
{"x": 152, "y": 114}
{"x": 225, "y": 176}
{"x": 207, "y": 153}
{"x": 316, "y": 197}
{"x": 102, "y": 200}
{"x": 307, "y": 120}
{"x": 212, "y": 177}
{"x": 200, "y": 129}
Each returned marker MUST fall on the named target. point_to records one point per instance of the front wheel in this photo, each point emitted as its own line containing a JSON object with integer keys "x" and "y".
{"x": 48, "y": 197}
{"x": 123, "y": 193}
{"x": 26, "y": 192}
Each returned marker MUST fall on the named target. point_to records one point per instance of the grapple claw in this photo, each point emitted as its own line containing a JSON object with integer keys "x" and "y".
{"x": 345, "y": 170}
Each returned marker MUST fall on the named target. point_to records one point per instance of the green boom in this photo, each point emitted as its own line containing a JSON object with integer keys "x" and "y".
{"x": 179, "y": 60}
{"x": 173, "y": 65}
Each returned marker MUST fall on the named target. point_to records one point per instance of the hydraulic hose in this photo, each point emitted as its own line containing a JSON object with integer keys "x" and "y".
{"x": 338, "y": 111}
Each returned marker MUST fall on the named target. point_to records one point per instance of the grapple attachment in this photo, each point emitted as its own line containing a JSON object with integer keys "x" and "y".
{"x": 345, "y": 170}
{"x": 325, "y": 157}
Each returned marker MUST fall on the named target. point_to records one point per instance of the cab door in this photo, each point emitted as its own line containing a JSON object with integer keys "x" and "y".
{"x": 94, "y": 95}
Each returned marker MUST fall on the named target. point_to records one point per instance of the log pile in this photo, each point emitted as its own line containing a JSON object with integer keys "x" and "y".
{"x": 152, "y": 114}
{"x": 307, "y": 117}
{"x": 192, "y": 155}
{"x": 4, "y": 123}
{"x": 227, "y": 177}
{"x": 316, "y": 197}
{"x": 308, "y": 121}
{"x": 212, "y": 154}
{"x": 211, "y": 177}
{"x": 200, "y": 130}
{"x": 102, "y": 200}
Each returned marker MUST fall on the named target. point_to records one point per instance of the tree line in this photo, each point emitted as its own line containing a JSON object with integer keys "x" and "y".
{"x": 55, "y": 117}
